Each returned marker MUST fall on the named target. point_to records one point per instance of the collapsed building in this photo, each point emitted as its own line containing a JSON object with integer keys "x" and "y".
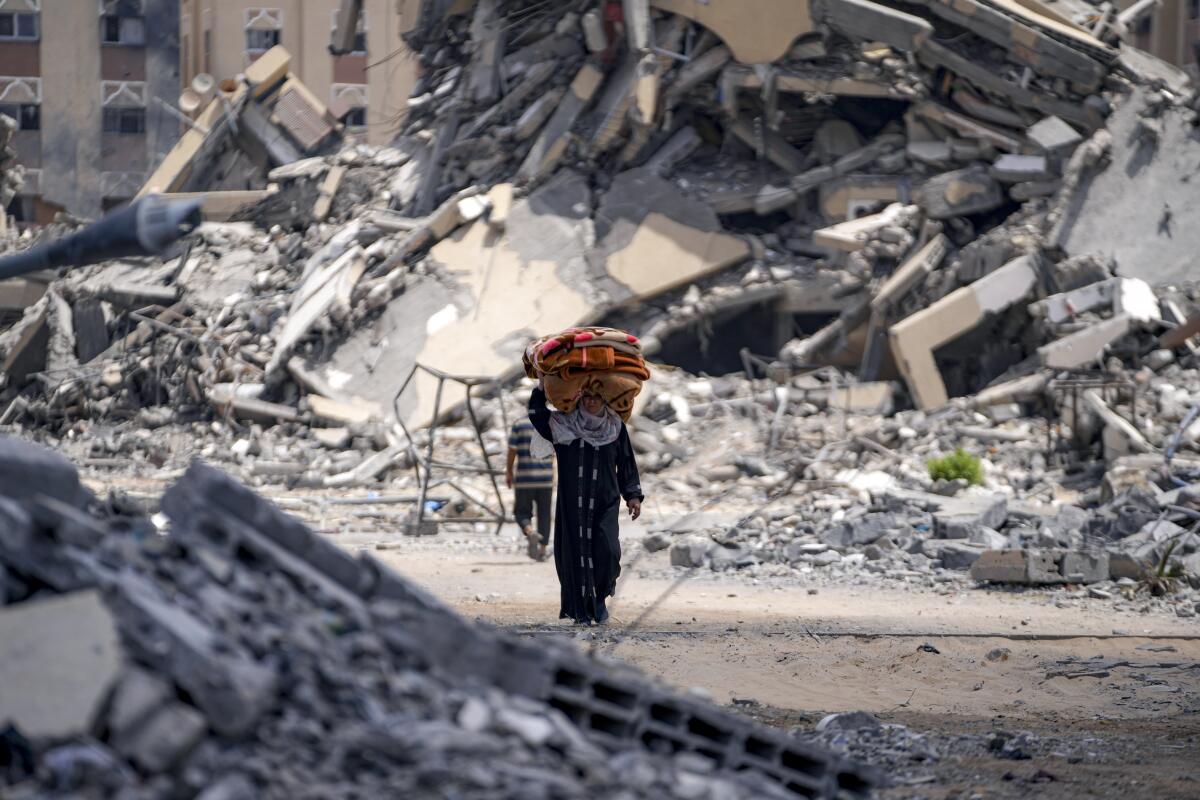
{"x": 879, "y": 208}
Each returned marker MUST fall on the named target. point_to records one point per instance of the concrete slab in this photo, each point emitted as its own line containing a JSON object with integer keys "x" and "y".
{"x": 914, "y": 339}
{"x": 1064, "y": 306}
{"x": 865, "y": 398}
{"x": 1010, "y": 168}
{"x": 959, "y": 193}
{"x": 59, "y": 659}
{"x": 1054, "y": 136}
{"x": 1084, "y": 346}
{"x": 499, "y": 289}
{"x": 1137, "y": 209}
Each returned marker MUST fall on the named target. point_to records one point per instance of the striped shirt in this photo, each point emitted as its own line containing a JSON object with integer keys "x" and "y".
{"x": 530, "y": 472}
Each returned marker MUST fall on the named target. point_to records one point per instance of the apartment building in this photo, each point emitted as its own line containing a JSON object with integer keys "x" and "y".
{"x": 367, "y": 87}
{"x": 81, "y": 78}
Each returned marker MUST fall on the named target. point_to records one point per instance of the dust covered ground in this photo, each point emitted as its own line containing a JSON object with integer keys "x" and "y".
{"x": 971, "y": 692}
{"x": 977, "y": 693}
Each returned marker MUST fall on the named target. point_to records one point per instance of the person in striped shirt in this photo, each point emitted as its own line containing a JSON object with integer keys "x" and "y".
{"x": 532, "y": 481}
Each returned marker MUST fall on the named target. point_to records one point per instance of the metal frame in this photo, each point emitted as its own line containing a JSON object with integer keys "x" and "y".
{"x": 1111, "y": 388}
{"x": 427, "y": 462}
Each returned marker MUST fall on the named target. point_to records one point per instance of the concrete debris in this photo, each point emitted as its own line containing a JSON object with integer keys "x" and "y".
{"x": 546, "y": 160}
{"x": 160, "y": 652}
{"x": 59, "y": 658}
{"x": 851, "y": 244}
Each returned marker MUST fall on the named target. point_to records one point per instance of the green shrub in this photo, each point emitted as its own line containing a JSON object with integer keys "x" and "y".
{"x": 959, "y": 464}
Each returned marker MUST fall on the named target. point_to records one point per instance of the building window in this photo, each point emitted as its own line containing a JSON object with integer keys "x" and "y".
{"x": 1144, "y": 26}
{"x": 1193, "y": 9}
{"x": 356, "y": 117}
{"x": 19, "y": 26}
{"x": 258, "y": 40}
{"x": 208, "y": 51}
{"x": 124, "y": 120}
{"x": 28, "y": 116}
{"x": 122, "y": 30}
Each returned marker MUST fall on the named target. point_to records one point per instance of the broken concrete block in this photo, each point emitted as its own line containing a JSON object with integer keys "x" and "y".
{"x": 59, "y": 659}
{"x": 968, "y": 127}
{"x": 964, "y": 516}
{"x": 1017, "y": 566}
{"x": 333, "y": 438}
{"x": 660, "y": 540}
{"x": 162, "y": 741}
{"x": 860, "y": 531}
{"x": 1135, "y": 299}
{"x": 960, "y": 193}
{"x": 1124, "y": 565}
{"x": 988, "y": 538}
{"x": 910, "y": 273}
{"x": 552, "y": 142}
{"x": 501, "y": 197}
{"x": 138, "y": 695}
{"x": 1022, "y": 192}
{"x": 935, "y": 154}
{"x": 1064, "y": 306}
{"x": 533, "y": 117}
{"x": 232, "y": 690}
{"x": 853, "y": 235}
{"x": 340, "y": 413}
{"x": 593, "y": 31}
{"x": 1054, "y": 136}
{"x": 914, "y": 339}
{"x": 957, "y": 555}
{"x": 691, "y": 551}
{"x": 1009, "y": 168}
{"x": 1080, "y": 566}
{"x": 876, "y": 397}
{"x": 1084, "y": 346}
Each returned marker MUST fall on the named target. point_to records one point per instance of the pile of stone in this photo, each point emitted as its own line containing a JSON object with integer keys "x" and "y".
{"x": 222, "y": 650}
{"x": 922, "y": 175}
{"x": 845, "y": 492}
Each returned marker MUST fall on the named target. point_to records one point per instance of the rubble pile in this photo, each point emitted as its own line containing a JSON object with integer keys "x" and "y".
{"x": 916, "y": 174}
{"x": 222, "y": 650}
{"x": 908, "y": 229}
{"x": 832, "y": 490}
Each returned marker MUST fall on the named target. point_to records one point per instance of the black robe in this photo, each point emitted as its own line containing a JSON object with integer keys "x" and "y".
{"x": 591, "y": 484}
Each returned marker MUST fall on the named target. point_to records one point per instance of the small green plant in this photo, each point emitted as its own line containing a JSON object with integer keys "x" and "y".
{"x": 959, "y": 464}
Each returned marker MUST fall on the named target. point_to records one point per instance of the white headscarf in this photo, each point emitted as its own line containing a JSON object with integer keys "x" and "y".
{"x": 595, "y": 429}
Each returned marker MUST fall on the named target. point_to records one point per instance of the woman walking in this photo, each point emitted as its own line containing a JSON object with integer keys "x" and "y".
{"x": 596, "y": 470}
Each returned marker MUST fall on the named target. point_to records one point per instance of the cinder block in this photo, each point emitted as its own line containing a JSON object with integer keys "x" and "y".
{"x": 1123, "y": 565}
{"x": 1085, "y": 567}
{"x": 1017, "y": 566}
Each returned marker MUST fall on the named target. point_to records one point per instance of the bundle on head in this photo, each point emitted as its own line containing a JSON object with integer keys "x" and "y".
{"x": 578, "y": 361}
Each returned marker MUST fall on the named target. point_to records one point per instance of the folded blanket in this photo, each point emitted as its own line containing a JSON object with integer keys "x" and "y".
{"x": 550, "y": 355}
{"x": 618, "y": 390}
{"x": 597, "y": 360}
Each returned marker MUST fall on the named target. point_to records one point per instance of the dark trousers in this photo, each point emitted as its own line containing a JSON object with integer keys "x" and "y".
{"x": 526, "y": 499}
